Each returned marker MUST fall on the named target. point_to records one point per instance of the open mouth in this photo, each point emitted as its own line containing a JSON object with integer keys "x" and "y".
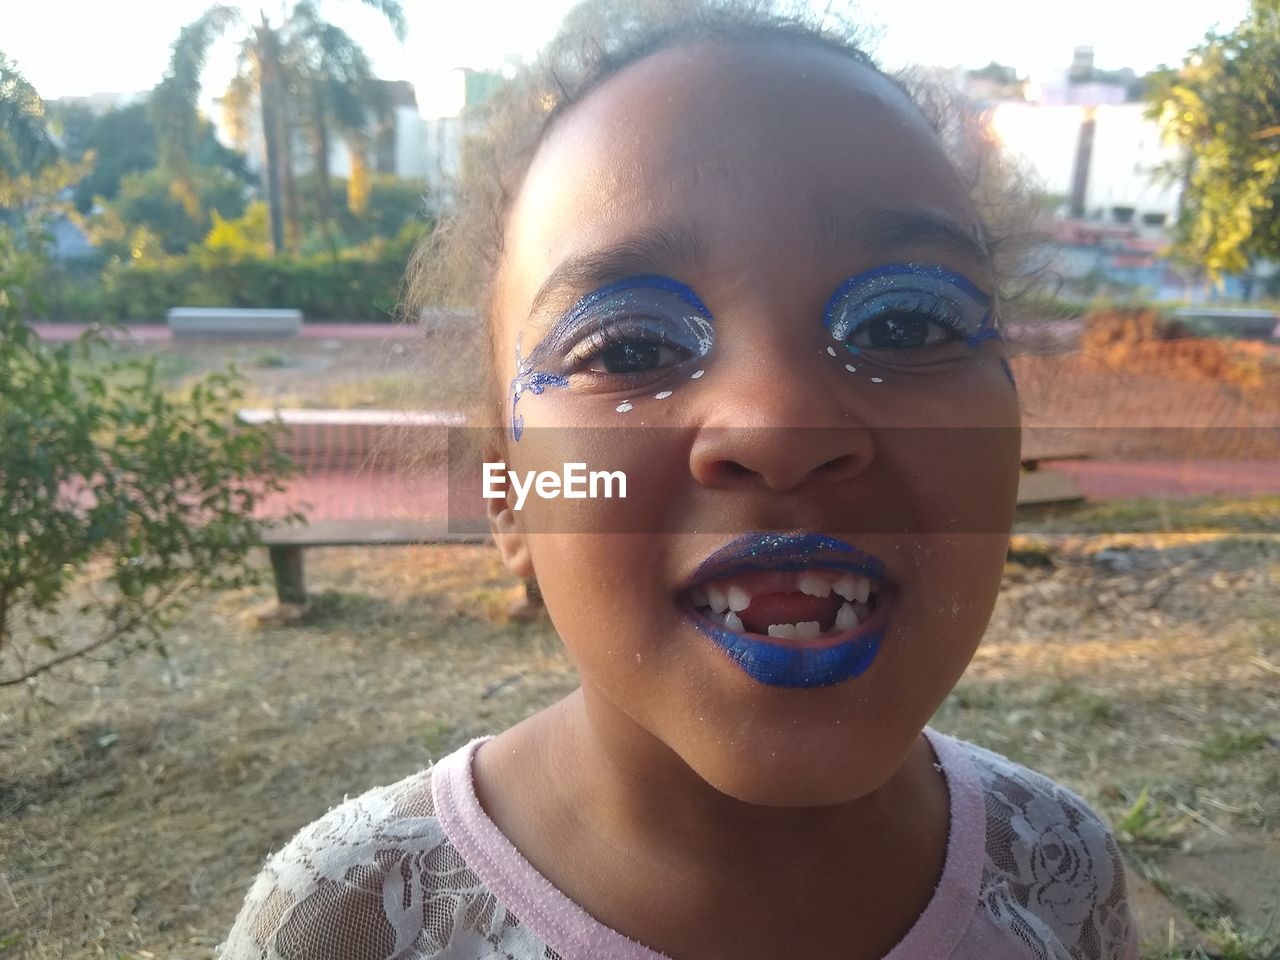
{"x": 792, "y": 610}
{"x": 811, "y": 606}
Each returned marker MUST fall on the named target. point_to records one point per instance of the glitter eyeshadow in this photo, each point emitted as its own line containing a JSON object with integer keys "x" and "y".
{"x": 928, "y": 290}
{"x": 664, "y": 300}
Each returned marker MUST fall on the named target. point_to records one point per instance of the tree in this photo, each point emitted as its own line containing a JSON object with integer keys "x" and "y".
{"x": 123, "y": 142}
{"x": 71, "y": 120}
{"x": 340, "y": 91}
{"x": 25, "y": 144}
{"x": 147, "y": 201}
{"x": 283, "y": 96}
{"x": 1223, "y": 109}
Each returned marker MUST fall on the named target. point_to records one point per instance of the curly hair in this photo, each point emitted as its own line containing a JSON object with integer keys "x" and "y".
{"x": 455, "y": 267}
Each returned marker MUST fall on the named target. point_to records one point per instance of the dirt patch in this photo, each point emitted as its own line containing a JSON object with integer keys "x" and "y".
{"x": 137, "y": 805}
{"x": 1128, "y": 404}
{"x": 1147, "y": 342}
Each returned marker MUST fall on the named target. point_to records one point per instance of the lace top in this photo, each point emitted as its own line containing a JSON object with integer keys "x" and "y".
{"x": 417, "y": 870}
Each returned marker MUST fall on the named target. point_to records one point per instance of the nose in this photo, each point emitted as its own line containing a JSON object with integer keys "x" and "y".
{"x": 779, "y": 427}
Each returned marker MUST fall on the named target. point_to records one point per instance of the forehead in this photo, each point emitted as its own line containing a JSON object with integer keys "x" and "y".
{"x": 747, "y": 148}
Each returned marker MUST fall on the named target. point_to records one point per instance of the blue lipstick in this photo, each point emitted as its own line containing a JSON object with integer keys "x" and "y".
{"x": 799, "y": 665}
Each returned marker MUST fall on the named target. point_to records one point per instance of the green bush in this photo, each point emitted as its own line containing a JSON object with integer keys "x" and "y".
{"x": 361, "y": 287}
{"x": 105, "y": 480}
{"x": 117, "y": 501}
{"x": 145, "y": 291}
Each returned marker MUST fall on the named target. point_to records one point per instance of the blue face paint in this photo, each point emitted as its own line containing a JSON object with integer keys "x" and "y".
{"x": 639, "y": 312}
{"x": 795, "y": 665}
{"x": 899, "y": 310}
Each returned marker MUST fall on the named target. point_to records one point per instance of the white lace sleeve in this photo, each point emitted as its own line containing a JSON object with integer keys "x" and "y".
{"x": 373, "y": 879}
{"x": 1054, "y": 875}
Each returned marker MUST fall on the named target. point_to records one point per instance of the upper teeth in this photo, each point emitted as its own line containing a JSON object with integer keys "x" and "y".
{"x": 727, "y": 598}
{"x": 853, "y": 588}
{"x": 722, "y": 595}
{"x": 814, "y": 585}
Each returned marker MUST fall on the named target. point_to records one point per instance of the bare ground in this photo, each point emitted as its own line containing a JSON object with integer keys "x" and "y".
{"x": 137, "y": 802}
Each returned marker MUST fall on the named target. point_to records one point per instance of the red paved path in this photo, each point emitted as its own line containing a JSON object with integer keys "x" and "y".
{"x": 156, "y": 332}
{"x": 1117, "y": 479}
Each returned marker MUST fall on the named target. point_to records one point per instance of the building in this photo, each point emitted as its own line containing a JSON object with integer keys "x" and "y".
{"x": 422, "y": 140}
{"x": 1103, "y": 161}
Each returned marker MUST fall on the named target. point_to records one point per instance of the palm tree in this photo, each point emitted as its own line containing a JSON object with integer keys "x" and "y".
{"x": 25, "y": 144}
{"x": 287, "y": 65}
{"x": 340, "y": 91}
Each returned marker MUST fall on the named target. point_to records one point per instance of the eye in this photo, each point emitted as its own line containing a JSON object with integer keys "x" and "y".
{"x": 910, "y": 313}
{"x": 632, "y": 346}
{"x": 899, "y": 329}
{"x": 633, "y": 356}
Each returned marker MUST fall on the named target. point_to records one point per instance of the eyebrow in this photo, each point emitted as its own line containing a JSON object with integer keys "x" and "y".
{"x": 659, "y": 251}
{"x": 854, "y": 225}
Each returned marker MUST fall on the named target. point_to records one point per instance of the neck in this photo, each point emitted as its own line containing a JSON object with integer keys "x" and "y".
{"x": 619, "y": 787}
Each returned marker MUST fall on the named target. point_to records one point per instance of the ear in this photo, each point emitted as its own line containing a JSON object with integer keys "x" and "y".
{"x": 513, "y": 544}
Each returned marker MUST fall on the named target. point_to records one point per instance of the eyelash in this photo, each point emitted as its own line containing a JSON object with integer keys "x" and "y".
{"x": 612, "y": 332}
{"x": 609, "y": 333}
{"x": 944, "y": 300}
{"x": 926, "y": 307}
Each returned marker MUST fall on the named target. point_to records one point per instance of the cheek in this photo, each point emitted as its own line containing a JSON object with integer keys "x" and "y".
{"x": 632, "y": 476}
{"x": 621, "y": 626}
{"x": 955, "y": 443}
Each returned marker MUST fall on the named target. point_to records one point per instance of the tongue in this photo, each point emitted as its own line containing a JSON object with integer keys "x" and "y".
{"x": 771, "y": 608}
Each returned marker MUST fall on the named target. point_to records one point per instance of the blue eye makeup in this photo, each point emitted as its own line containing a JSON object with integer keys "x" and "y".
{"x": 900, "y": 311}
{"x": 625, "y": 333}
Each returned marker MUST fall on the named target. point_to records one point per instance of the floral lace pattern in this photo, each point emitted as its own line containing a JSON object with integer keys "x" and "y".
{"x": 1053, "y": 873}
{"x": 378, "y": 878}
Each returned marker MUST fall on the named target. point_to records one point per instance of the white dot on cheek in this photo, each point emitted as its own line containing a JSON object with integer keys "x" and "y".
{"x": 851, "y": 368}
{"x": 663, "y": 395}
{"x": 623, "y": 407}
{"x": 831, "y": 351}
{"x": 697, "y": 374}
{"x": 876, "y": 380}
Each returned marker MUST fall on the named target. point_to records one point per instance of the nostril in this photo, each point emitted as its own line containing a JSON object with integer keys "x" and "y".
{"x": 840, "y": 465}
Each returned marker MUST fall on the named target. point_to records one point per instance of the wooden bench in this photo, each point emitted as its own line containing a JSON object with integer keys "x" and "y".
{"x": 285, "y": 545}
{"x": 341, "y": 445}
{"x": 1249, "y": 324}
{"x": 233, "y": 322}
{"x": 352, "y": 439}
{"x": 1038, "y": 487}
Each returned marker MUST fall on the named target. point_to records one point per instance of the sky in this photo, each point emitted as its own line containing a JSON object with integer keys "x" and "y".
{"x": 77, "y": 47}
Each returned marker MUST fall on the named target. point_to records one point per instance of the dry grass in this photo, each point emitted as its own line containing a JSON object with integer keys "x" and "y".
{"x": 137, "y": 802}
{"x": 395, "y": 372}
{"x": 136, "y": 808}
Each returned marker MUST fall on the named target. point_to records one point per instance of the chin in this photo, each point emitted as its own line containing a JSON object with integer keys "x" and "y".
{"x": 779, "y": 772}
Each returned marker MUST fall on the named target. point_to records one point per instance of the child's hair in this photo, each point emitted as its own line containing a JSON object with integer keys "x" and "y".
{"x": 455, "y": 267}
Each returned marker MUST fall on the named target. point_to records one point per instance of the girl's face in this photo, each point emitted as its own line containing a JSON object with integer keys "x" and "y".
{"x": 748, "y": 277}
